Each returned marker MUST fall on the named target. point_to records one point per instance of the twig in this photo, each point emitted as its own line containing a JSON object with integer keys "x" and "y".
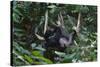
{"x": 46, "y": 21}
{"x": 62, "y": 21}
{"x": 39, "y": 37}
{"x": 78, "y": 23}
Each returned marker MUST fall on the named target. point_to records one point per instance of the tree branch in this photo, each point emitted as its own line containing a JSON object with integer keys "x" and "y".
{"x": 46, "y": 21}
{"x": 78, "y": 23}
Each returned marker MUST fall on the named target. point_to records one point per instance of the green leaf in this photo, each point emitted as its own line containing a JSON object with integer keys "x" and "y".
{"x": 15, "y": 18}
{"x": 68, "y": 58}
{"x": 61, "y": 54}
{"x": 40, "y": 48}
{"x": 17, "y": 11}
{"x": 51, "y": 6}
{"x": 33, "y": 45}
{"x": 45, "y": 60}
{"x": 37, "y": 53}
{"x": 28, "y": 58}
{"x": 18, "y": 30}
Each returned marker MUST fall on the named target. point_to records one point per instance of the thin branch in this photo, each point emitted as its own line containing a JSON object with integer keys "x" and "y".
{"x": 46, "y": 21}
{"x": 36, "y": 30}
{"x": 58, "y": 22}
{"x": 39, "y": 37}
{"x": 61, "y": 20}
{"x": 20, "y": 57}
{"x": 78, "y": 23}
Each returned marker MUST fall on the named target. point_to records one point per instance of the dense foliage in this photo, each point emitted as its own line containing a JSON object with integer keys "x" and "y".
{"x": 27, "y": 16}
